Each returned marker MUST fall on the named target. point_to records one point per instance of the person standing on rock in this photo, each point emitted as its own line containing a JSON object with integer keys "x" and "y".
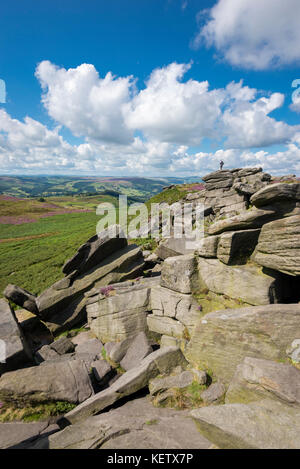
{"x": 221, "y": 165}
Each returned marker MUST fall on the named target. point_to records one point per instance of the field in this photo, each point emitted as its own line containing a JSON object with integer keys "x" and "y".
{"x": 36, "y": 237}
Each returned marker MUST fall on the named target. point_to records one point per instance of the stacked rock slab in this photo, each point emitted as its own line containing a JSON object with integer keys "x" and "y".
{"x": 120, "y": 313}
{"x": 174, "y": 310}
{"x": 228, "y": 192}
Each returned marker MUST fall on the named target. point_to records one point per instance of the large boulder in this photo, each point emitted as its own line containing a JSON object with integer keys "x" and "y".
{"x": 21, "y": 298}
{"x": 14, "y": 350}
{"x": 97, "y": 248}
{"x": 137, "y": 351}
{"x": 171, "y": 247}
{"x": 178, "y": 311}
{"x": 235, "y": 247}
{"x": 161, "y": 361}
{"x": 63, "y": 304}
{"x": 180, "y": 274}
{"x": 120, "y": 313}
{"x": 278, "y": 245}
{"x": 134, "y": 425}
{"x": 222, "y": 339}
{"x": 247, "y": 283}
{"x": 259, "y": 425}
{"x": 251, "y": 219}
{"x": 208, "y": 247}
{"x": 257, "y": 378}
{"x": 276, "y": 193}
{"x": 58, "y": 381}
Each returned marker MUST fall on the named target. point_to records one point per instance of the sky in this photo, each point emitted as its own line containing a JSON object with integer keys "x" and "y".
{"x": 149, "y": 87}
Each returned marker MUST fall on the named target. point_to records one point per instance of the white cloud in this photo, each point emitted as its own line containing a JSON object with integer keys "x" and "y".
{"x": 255, "y": 34}
{"x": 88, "y": 105}
{"x": 148, "y": 132}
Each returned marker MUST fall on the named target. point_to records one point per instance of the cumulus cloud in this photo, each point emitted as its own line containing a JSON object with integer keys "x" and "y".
{"x": 254, "y": 34}
{"x": 151, "y": 131}
{"x": 87, "y": 104}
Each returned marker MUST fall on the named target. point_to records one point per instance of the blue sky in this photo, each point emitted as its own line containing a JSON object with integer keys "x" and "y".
{"x": 63, "y": 116}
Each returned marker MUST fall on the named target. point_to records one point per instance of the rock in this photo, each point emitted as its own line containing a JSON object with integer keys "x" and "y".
{"x": 63, "y": 345}
{"x": 235, "y": 247}
{"x": 208, "y": 247}
{"x": 14, "y": 350}
{"x": 122, "y": 314}
{"x": 276, "y": 193}
{"x": 180, "y": 274}
{"x": 214, "y": 393}
{"x": 21, "y": 298}
{"x": 161, "y": 361}
{"x": 173, "y": 247}
{"x": 278, "y": 245}
{"x": 60, "y": 381}
{"x": 247, "y": 283}
{"x": 90, "y": 346}
{"x": 95, "y": 250}
{"x": 260, "y": 425}
{"x": 256, "y": 379}
{"x": 152, "y": 258}
{"x": 293, "y": 351}
{"x": 118, "y": 350}
{"x": 165, "y": 325}
{"x": 62, "y": 308}
{"x": 137, "y": 351}
{"x": 179, "y": 381}
{"x": 183, "y": 307}
{"x": 100, "y": 369}
{"x": 223, "y": 339}
{"x": 81, "y": 337}
{"x": 20, "y": 435}
{"x": 134, "y": 425}
{"x": 45, "y": 353}
{"x": 168, "y": 341}
{"x": 250, "y": 219}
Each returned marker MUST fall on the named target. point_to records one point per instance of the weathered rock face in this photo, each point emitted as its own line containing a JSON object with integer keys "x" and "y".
{"x": 208, "y": 247}
{"x": 262, "y": 425}
{"x": 21, "y": 298}
{"x": 246, "y": 282}
{"x": 223, "y": 339}
{"x": 174, "y": 313}
{"x": 91, "y": 253}
{"x": 279, "y": 245}
{"x": 180, "y": 274}
{"x": 250, "y": 219}
{"x": 235, "y": 247}
{"x": 161, "y": 361}
{"x": 60, "y": 381}
{"x": 137, "y": 351}
{"x": 256, "y": 379}
{"x": 120, "y": 314}
{"x": 14, "y": 350}
{"x": 179, "y": 380}
{"x": 134, "y": 425}
{"x": 63, "y": 304}
{"x": 214, "y": 393}
{"x": 276, "y": 193}
{"x": 173, "y": 247}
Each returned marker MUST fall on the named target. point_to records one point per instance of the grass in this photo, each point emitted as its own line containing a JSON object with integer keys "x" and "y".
{"x": 34, "y": 412}
{"x": 180, "y": 399}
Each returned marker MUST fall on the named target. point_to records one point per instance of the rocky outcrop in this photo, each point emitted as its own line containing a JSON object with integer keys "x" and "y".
{"x": 21, "y": 298}
{"x": 278, "y": 245}
{"x": 256, "y": 379}
{"x": 247, "y": 283}
{"x": 63, "y": 305}
{"x": 161, "y": 361}
{"x": 95, "y": 250}
{"x": 60, "y": 381}
{"x": 235, "y": 247}
{"x": 223, "y": 339}
{"x": 260, "y": 425}
{"x": 120, "y": 313}
{"x": 180, "y": 274}
{"x": 14, "y": 349}
{"x": 276, "y": 193}
{"x": 137, "y": 351}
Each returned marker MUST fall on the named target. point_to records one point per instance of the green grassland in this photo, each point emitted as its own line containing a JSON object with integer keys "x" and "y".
{"x": 32, "y": 254}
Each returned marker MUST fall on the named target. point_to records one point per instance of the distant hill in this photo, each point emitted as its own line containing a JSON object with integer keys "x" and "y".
{"x": 51, "y": 186}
